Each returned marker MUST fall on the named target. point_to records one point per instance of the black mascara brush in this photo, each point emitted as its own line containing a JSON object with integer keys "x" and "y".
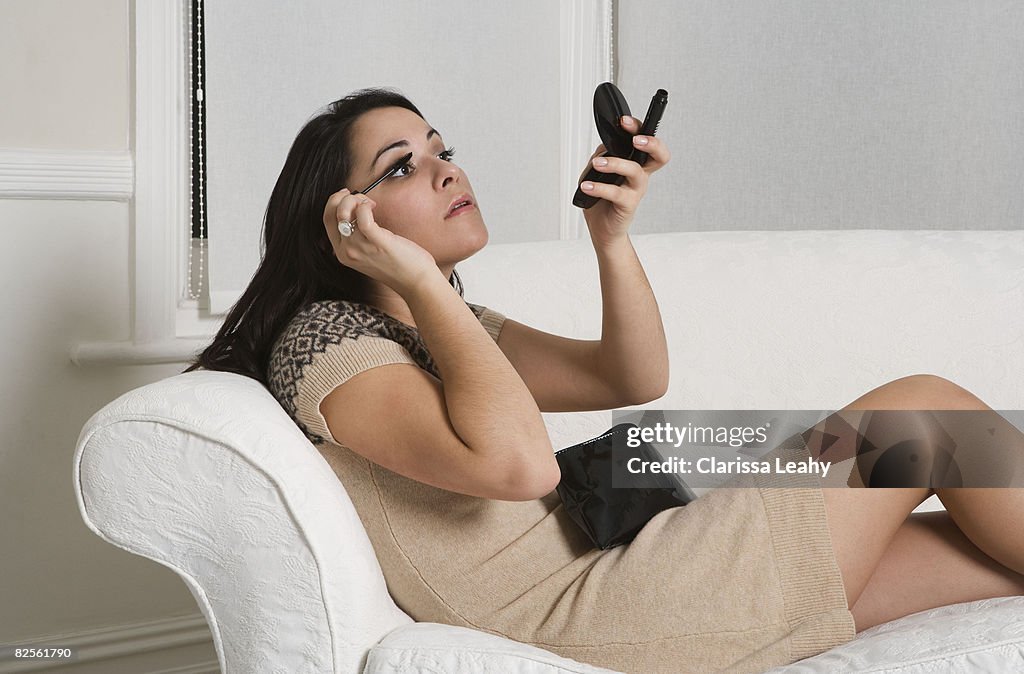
{"x": 390, "y": 172}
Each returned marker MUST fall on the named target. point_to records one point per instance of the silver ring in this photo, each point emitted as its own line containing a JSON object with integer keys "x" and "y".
{"x": 345, "y": 228}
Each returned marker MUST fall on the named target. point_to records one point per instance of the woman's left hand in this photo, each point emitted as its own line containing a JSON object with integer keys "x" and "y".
{"x": 609, "y": 219}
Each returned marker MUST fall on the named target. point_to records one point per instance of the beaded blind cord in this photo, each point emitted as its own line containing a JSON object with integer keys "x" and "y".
{"x": 195, "y": 63}
{"x": 613, "y": 14}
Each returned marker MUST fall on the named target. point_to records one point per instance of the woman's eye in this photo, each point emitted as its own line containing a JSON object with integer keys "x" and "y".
{"x": 408, "y": 168}
{"x": 405, "y": 170}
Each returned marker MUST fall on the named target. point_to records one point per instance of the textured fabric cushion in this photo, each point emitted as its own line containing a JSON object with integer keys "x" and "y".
{"x": 742, "y": 311}
{"x": 430, "y": 647}
{"x": 981, "y": 636}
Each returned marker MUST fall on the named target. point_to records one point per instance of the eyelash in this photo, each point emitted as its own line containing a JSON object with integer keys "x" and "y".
{"x": 445, "y": 155}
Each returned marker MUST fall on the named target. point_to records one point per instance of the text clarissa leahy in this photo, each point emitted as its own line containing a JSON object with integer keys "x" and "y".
{"x": 711, "y": 465}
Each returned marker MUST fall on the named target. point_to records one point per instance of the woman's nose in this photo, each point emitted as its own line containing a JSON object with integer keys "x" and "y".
{"x": 447, "y": 173}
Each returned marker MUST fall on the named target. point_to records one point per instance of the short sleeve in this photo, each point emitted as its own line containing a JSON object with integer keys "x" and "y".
{"x": 329, "y": 342}
{"x": 333, "y": 367}
{"x": 326, "y": 344}
{"x": 490, "y": 319}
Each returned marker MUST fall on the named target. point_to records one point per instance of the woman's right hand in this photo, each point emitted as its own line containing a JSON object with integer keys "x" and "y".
{"x": 372, "y": 250}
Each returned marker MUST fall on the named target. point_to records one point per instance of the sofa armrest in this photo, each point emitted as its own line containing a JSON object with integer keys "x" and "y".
{"x": 206, "y": 474}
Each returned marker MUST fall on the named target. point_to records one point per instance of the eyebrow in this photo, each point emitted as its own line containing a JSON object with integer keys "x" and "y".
{"x": 399, "y": 143}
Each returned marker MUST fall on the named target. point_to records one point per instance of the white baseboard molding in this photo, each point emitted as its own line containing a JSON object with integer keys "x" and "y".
{"x": 66, "y": 174}
{"x": 181, "y": 645}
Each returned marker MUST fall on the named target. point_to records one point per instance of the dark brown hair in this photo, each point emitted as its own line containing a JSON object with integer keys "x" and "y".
{"x": 297, "y": 264}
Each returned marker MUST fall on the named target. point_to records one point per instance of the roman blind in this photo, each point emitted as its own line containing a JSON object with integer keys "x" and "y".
{"x": 485, "y": 75}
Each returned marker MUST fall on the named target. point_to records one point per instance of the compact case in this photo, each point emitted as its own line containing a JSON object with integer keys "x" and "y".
{"x": 612, "y": 516}
{"x": 609, "y": 107}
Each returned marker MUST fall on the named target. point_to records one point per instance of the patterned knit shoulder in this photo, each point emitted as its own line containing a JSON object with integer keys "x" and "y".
{"x": 320, "y": 324}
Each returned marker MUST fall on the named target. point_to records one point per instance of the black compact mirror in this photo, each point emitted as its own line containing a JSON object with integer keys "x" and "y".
{"x": 609, "y": 107}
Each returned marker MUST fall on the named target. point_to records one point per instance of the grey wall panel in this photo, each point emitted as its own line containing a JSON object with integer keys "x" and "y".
{"x": 829, "y": 114}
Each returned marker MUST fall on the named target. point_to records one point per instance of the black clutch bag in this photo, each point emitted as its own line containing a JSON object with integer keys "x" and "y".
{"x": 612, "y": 516}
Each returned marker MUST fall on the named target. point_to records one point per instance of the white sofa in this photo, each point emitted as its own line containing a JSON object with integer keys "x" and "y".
{"x": 205, "y": 473}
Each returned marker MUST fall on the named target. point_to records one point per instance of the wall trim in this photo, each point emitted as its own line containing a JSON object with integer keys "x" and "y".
{"x": 177, "y": 350}
{"x": 586, "y": 61}
{"x": 156, "y": 638}
{"x": 66, "y": 174}
{"x": 160, "y": 213}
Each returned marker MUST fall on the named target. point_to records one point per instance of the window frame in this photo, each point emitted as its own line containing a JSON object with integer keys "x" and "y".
{"x": 167, "y": 327}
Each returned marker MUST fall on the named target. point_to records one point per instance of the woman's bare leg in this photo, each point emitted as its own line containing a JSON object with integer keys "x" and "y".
{"x": 863, "y": 523}
{"x": 930, "y": 563}
{"x": 990, "y": 517}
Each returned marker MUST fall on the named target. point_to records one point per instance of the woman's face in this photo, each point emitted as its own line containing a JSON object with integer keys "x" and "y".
{"x": 416, "y": 202}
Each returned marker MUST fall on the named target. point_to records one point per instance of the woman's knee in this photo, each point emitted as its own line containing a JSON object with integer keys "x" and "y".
{"x": 919, "y": 391}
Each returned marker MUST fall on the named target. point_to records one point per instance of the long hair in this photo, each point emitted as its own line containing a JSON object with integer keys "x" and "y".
{"x": 297, "y": 264}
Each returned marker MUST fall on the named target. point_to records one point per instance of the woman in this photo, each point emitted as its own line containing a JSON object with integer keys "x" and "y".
{"x": 454, "y": 481}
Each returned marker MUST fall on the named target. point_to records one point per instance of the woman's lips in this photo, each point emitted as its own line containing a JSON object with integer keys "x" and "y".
{"x": 464, "y": 208}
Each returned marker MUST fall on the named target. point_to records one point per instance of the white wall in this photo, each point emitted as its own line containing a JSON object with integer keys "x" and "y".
{"x": 65, "y": 74}
{"x": 65, "y": 78}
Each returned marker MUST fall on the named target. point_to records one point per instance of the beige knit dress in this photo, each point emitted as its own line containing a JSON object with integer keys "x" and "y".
{"x": 740, "y": 580}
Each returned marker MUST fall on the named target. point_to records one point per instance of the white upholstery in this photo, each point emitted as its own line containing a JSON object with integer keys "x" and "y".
{"x": 431, "y": 647}
{"x": 206, "y": 474}
{"x": 984, "y": 636}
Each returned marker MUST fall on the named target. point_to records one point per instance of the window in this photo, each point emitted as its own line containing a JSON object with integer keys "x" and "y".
{"x": 171, "y": 312}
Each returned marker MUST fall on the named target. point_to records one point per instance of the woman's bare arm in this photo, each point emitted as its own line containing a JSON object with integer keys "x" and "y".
{"x": 633, "y": 353}
{"x": 488, "y": 403}
{"x": 627, "y": 366}
{"x": 477, "y": 432}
